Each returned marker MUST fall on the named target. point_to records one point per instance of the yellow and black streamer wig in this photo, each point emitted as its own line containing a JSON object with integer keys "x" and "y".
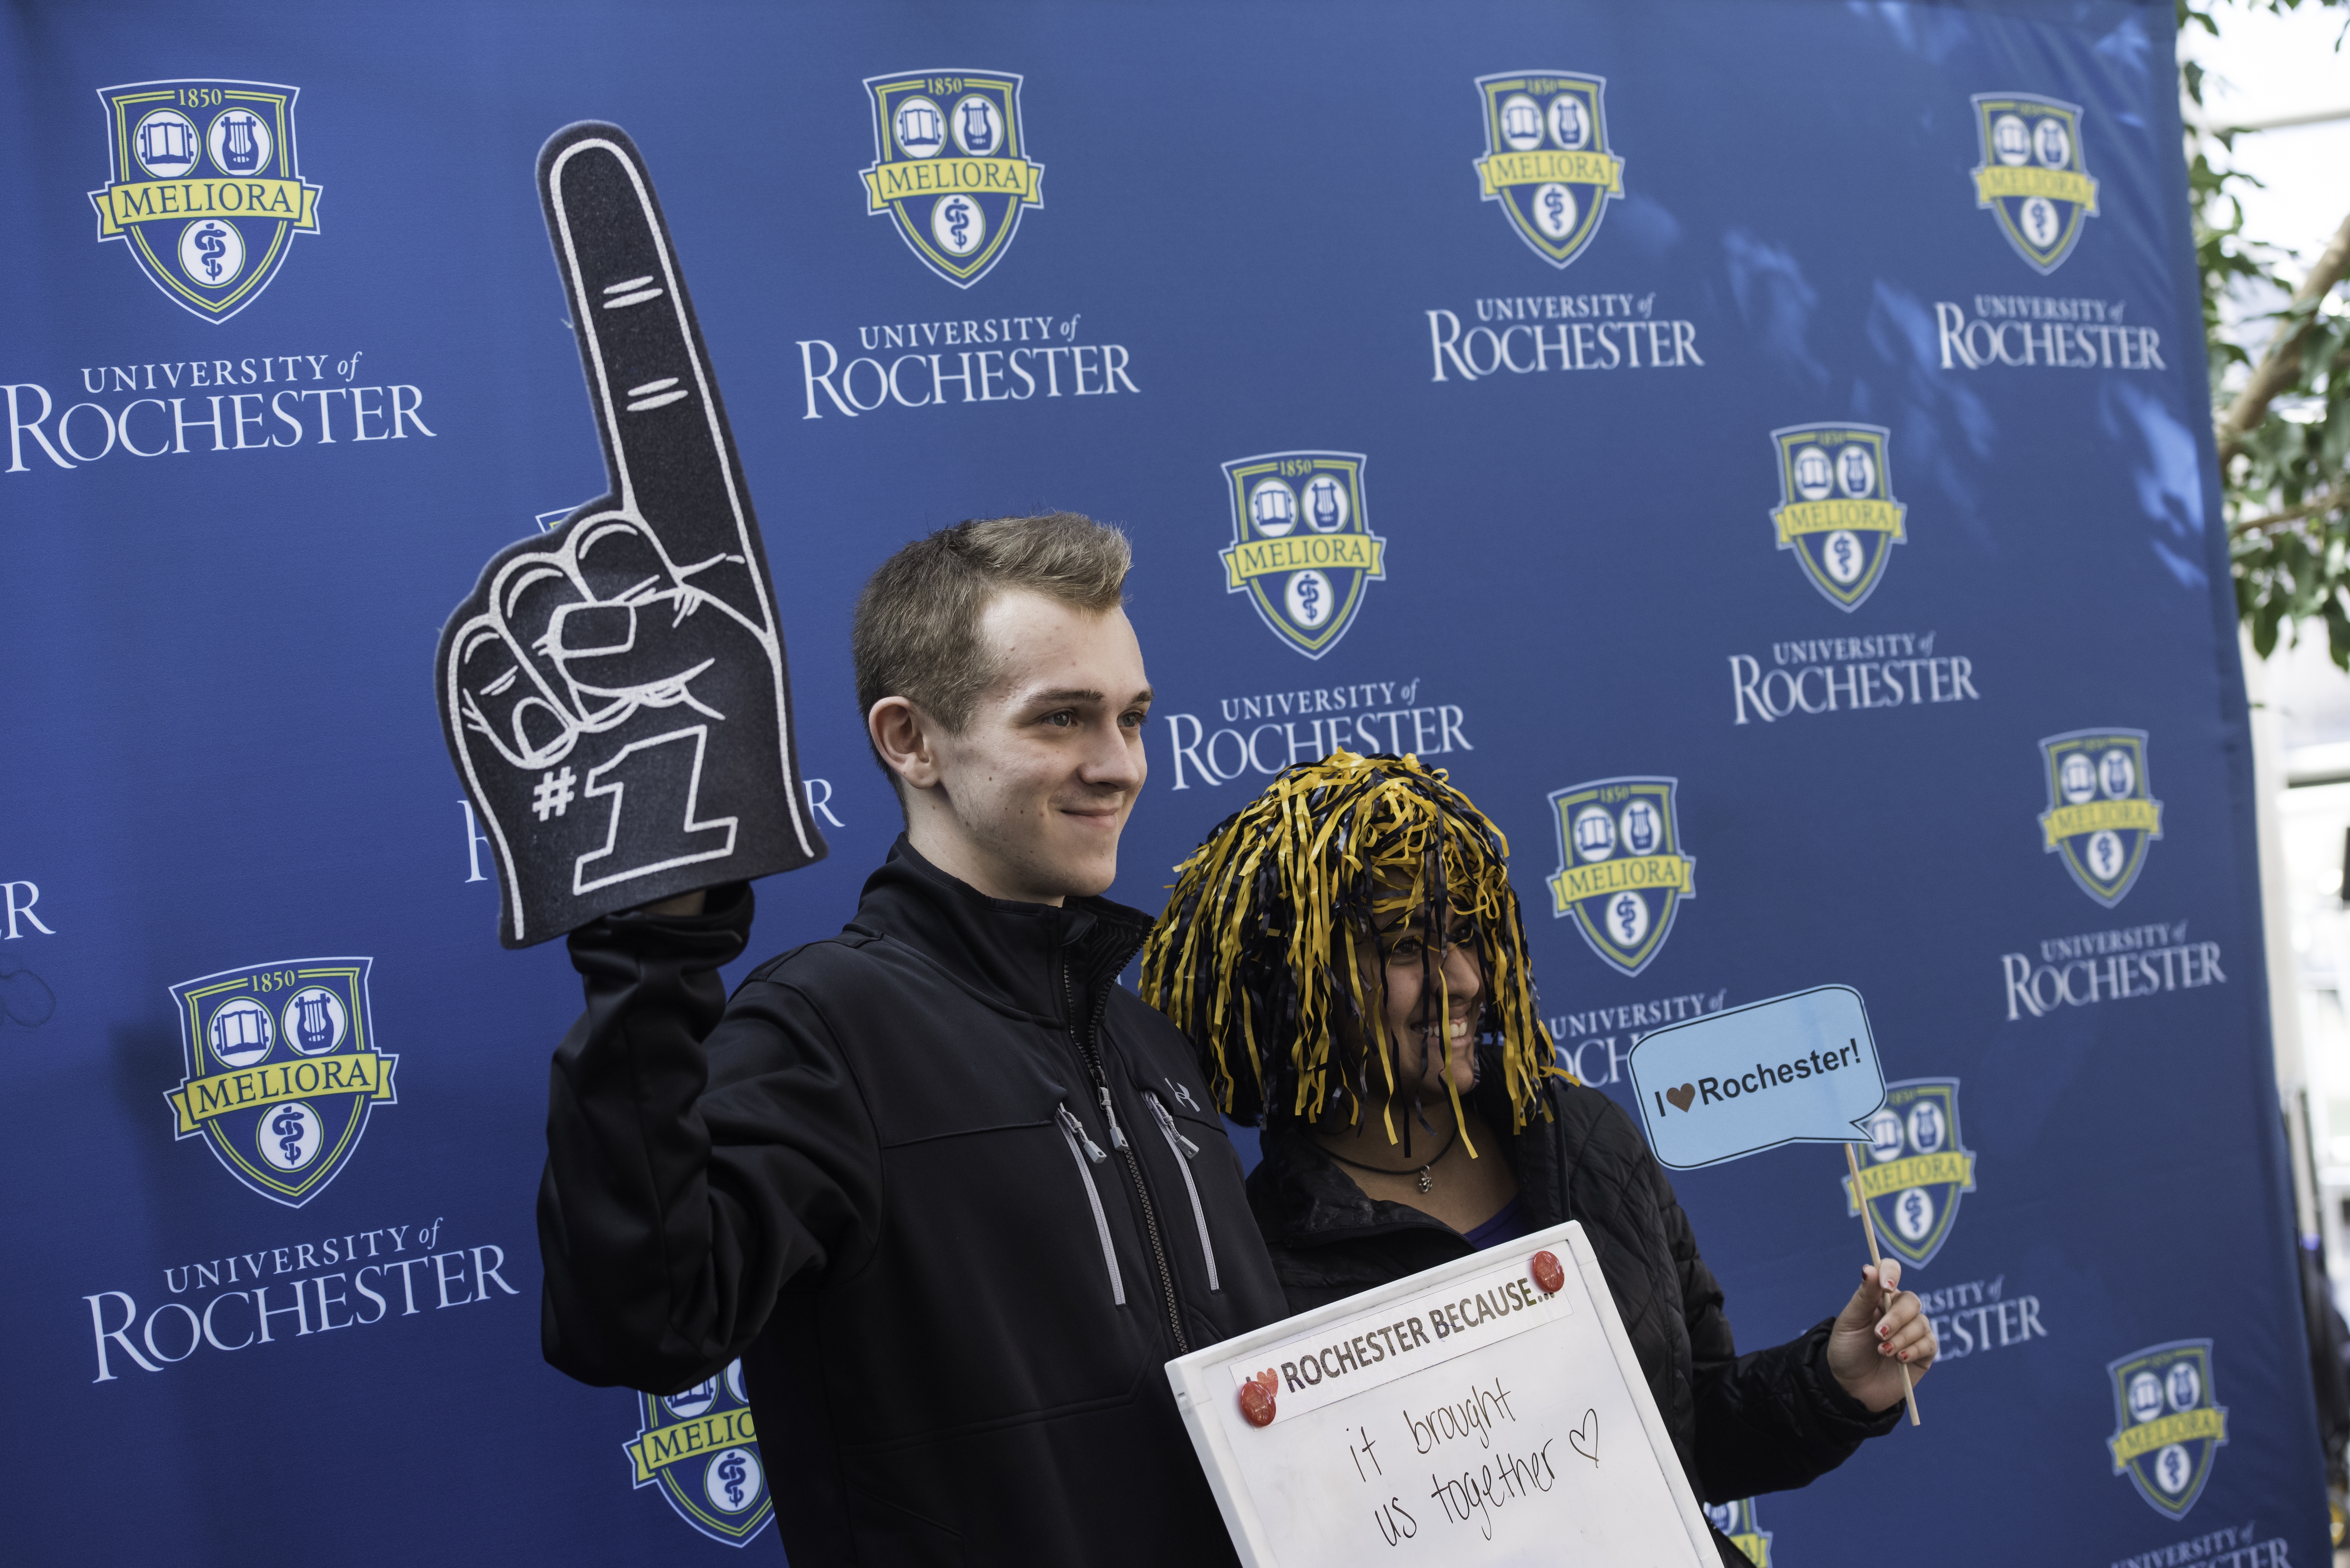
{"x": 1255, "y": 956}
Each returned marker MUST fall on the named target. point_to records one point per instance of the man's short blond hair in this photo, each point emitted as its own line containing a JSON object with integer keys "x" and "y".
{"x": 917, "y": 630}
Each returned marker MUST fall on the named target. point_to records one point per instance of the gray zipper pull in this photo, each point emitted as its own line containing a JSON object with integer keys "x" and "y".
{"x": 1167, "y": 1124}
{"x": 1183, "y": 1149}
{"x": 1116, "y": 1137}
{"x": 1076, "y": 1130}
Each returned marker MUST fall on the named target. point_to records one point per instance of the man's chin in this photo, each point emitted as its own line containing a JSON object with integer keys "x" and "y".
{"x": 1087, "y": 876}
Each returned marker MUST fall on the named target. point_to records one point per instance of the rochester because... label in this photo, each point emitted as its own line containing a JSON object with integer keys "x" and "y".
{"x": 1360, "y": 1354}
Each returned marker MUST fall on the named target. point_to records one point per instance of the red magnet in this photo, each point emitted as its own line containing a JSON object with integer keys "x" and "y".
{"x": 1256, "y": 1397}
{"x": 1548, "y": 1276}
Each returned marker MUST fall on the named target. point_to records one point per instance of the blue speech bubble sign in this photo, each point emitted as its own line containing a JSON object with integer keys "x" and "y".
{"x": 1800, "y": 1068}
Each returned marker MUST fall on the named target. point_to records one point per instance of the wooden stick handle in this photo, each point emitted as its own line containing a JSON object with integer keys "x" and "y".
{"x": 1868, "y": 1223}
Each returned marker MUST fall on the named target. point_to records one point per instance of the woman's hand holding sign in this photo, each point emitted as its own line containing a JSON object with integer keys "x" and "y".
{"x": 1872, "y": 1342}
{"x": 1800, "y": 1068}
{"x": 615, "y": 695}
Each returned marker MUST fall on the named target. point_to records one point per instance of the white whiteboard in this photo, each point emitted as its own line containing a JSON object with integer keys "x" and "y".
{"x": 1457, "y": 1416}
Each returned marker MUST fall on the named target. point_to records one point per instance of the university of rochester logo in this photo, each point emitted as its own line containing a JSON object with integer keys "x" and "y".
{"x": 2168, "y": 1422}
{"x": 2101, "y": 813}
{"x": 205, "y": 187}
{"x": 701, "y": 1449}
{"x": 1836, "y": 510}
{"x": 1302, "y": 548}
{"x": 2031, "y": 174}
{"x": 949, "y": 164}
{"x": 1736, "y": 1520}
{"x": 1917, "y": 1167}
{"x": 1546, "y": 160}
{"x": 1621, "y": 873}
{"x": 282, "y": 1070}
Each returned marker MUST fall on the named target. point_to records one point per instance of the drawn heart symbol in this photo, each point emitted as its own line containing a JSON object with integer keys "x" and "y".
{"x": 1682, "y": 1097}
{"x": 1585, "y": 1439}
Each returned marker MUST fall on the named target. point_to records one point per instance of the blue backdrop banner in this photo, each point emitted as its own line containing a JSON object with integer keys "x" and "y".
{"x": 1761, "y": 449}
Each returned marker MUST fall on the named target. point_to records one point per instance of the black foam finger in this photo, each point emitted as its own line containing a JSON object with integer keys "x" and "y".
{"x": 667, "y": 447}
{"x": 614, "y": 695}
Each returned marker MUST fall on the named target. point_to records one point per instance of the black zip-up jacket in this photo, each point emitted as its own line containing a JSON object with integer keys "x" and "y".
{"x": 1742, "y": 1424}
{"x": 950, "y": 1192}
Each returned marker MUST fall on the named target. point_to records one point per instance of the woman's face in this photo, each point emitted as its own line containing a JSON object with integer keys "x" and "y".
{"x": 1433, "y": 988}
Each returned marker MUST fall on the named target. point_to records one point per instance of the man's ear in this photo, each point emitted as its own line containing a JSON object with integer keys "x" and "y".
{"x": 906, "y": 738}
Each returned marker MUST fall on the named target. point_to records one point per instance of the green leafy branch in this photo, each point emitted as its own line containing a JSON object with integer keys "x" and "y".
{"x": 2283, "y": 436}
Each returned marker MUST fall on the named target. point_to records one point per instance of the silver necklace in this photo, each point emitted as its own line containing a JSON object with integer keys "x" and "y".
{"x": 1426, "y": 1172}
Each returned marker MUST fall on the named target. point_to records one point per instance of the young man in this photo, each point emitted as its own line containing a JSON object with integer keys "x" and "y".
{"x": 950, "y": 1193}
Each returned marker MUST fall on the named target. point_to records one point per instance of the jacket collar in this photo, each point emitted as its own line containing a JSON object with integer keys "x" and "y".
{"x": 1302, "y": 1198}
{"x": 1013, "y": 955}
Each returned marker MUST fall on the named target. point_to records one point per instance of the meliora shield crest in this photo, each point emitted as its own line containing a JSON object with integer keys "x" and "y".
{"x": 2030, "y": 175}
{"x": 702, "y": 1449}
{"x": 2101, "y": 813}
{"x": 1302, "y": 548}
{"x": 1546, "y": 160}
{"x": 1736, "y": 1520}
{"x": 1621, "y": 873}
{"x": 1917, "y": 1167}
{"x": 203, "y": 185}
{"x": 282, "y": 1070}
{"x": 1836, "y": 510}
{"x": 950, "y": 166}
{"x": 2167, "y": 1423}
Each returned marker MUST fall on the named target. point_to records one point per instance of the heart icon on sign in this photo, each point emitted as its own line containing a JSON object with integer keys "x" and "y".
{"x": 1585, "y": 1439}
{"x": 1682, "y": 1097}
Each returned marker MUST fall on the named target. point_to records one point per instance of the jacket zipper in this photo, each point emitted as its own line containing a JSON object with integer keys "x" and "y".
{"x": 1185, "y": 1149}
{"x": 1090, "y": 1052}
{"x": 1084, "y": 1149}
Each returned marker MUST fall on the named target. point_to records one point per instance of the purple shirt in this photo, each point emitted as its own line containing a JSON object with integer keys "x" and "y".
{"x": 1506, "y": 1226}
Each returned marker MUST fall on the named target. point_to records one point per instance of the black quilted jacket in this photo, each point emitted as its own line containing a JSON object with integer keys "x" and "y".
{"x": 1761, "y": 1422}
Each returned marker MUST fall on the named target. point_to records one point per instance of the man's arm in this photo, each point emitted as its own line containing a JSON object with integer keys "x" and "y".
{"x": 700, "y": 1154}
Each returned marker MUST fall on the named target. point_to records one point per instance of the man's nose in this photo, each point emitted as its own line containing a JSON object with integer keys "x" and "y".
{"x": 1111, "y": 761}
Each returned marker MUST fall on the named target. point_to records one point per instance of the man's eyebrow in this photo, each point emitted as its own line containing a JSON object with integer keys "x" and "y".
{"x": 1084, "y": 694}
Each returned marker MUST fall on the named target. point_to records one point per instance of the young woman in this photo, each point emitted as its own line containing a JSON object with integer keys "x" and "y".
{"x": 1347, "y": 954}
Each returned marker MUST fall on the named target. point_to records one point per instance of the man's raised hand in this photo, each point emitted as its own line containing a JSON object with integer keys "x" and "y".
{"x": 614, "y": 696}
